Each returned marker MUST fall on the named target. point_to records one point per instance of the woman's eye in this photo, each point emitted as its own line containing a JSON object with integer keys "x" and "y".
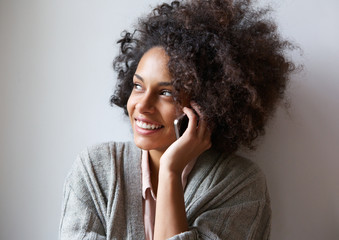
{"x": 137, "y": 86}
{"x": 167, "y": 93}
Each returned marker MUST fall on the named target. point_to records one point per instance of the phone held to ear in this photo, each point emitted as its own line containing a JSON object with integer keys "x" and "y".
{"x": 180, "y": 125}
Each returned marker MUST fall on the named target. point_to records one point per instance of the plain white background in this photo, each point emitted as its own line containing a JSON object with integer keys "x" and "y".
{"x": 56, "y": 79}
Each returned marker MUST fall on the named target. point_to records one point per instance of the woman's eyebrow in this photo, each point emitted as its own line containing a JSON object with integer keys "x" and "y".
{"x": 139, "y": 77}
{"x": 164, "y": 83}
{"x": 160, "y": 83}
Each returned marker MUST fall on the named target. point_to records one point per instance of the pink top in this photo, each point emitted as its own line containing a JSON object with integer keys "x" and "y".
{"x": 149, "y": 198}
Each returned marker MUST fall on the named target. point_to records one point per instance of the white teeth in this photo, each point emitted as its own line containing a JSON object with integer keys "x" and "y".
{"x": 147, "y": 126}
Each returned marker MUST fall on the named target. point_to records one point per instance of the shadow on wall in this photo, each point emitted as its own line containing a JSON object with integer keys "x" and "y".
{"x": 300, "y": 157}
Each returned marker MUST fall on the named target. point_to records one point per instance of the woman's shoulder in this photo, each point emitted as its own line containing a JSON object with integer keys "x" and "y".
{"x": 102, "y": 154}
{"x": 102, "y": 150}
{"x": 100, "y": 166}
{"x": 224, "y": 164}
{"x": 241, "y": 165}
{"x": 228, "y": 173}
{"x": 101, "y": 159}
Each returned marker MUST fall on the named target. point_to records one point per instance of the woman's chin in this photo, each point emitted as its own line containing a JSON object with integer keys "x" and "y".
{"x": 148, "y": 145}
{"x": 143, "y": 143}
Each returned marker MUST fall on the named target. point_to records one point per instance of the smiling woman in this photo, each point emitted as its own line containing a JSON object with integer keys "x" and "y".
{"x": 219, "y": 61}
{"x": 151, "y": 107}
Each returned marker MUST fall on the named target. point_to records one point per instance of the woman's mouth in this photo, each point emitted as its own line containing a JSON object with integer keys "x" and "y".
{"x": 147, "y": 126}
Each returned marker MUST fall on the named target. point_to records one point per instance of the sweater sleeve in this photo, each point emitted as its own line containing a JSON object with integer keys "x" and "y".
{"x": 232, "y": 205}
{"x": 246, "y": 221}
{"x": 78, "y": 221}
{"x": 82, "y": 215}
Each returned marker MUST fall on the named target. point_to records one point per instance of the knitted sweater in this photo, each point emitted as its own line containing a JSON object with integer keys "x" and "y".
{"x": 225, "y": 197}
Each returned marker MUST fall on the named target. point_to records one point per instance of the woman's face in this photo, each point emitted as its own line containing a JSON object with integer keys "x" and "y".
{"x": 151, "y": 107}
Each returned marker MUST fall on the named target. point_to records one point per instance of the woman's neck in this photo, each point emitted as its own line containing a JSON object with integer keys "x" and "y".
{"x": 154, "y": 163}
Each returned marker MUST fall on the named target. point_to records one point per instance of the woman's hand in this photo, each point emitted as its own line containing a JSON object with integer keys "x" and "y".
{"x": 195, "y": 140}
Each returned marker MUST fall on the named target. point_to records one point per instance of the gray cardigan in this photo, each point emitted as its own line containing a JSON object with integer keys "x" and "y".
{"x": 225, "y": 197}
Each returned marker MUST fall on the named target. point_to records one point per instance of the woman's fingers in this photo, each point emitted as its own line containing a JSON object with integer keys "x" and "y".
{"x": 192, "y": 123}
{"x": 202, "y": 124}
{"x": 198, "y": 126}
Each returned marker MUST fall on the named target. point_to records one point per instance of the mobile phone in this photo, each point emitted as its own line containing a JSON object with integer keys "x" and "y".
{"x": 180, "y": 125}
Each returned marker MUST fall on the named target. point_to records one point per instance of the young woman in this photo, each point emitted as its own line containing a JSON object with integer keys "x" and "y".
{"x": 221, "y": 63}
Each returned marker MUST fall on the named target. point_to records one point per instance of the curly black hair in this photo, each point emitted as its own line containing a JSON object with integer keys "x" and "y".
{"x": 226, "y": 55}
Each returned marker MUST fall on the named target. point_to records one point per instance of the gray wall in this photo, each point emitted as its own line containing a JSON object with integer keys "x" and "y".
{"x": 56, "y": 80}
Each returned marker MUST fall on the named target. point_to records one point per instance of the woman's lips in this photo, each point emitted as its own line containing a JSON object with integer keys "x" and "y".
{"x": 145, "y": 127}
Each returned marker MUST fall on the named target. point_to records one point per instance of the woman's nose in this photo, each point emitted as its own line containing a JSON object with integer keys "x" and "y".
{"x": 146, "y": 104}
